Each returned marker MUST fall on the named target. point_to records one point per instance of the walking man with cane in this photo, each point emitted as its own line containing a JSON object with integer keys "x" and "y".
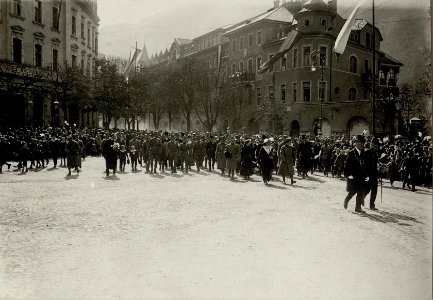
{"x": 372, "y": 163}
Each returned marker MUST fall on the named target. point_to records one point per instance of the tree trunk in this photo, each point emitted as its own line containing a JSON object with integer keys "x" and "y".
{"x": 188, "y": 121}
{"x": 170, "y": 119}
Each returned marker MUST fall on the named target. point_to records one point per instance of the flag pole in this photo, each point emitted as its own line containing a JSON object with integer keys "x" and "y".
{"x": 374, "y": 74}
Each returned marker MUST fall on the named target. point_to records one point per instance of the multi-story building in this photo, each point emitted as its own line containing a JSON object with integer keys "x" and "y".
{"x": 336, "y": 97}
{"x": 38, "y": 40}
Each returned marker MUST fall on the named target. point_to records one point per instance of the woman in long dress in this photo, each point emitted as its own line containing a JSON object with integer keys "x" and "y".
{"x": 265, "y": 161}
{"x": 247, "y": 155}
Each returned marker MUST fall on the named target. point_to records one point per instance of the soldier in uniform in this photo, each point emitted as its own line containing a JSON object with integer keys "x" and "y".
{"x": 154, "y": 153}
{"x": 109, "y": 151}
{"x": 198, "y": 152}
{"x": 356, "y": 173}
{"x": 232, "y": 159}
{"x": 184, "y": 155}
{"x": 55, "y": 149}
{"x": 172, "y": 153}
{"x": 73, "y": 152}
{"x": 220, "y": 157}
{"x": 304, "y": 156}
{"x": 287, "y": 157}
{"x": 210, "y": 153}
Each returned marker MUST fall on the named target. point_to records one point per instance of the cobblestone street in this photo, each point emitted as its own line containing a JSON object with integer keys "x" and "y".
{"x": 203, "y": 236}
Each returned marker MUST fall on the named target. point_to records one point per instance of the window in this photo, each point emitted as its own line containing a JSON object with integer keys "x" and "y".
{"x": 283, "y": 62}
{"x": 88, "y": 67}
{"x": 366, "y": 66}
{"x": 55, "y": 59}
{"x": 271, "y": 91}
{"x": 228, "y": 71}
{"x": 295, "y": 58}
{"x": 233, "y": 68}
{"x": 259, "y": 38}
{"x": 306, "y": 22}
{"x": 306, "y": 91}
{"x": 391, "y": 74}
{"x": 82, "y": 30}
{"x": 367, "y": 40}
{"x": 258, "y": 95}
{"x": 17, "y": 7}
{"x": 241, "y": 43}
{"x": 259, "y": 62}
{"x": 250, "y": 66}
{"x": 241, "y": 66}
{"x": 38, "y": 11}
{"x": 294, "y": 91}
{"x": 323, "y": 55}
{"x": 88, "y": 34}
{"x": 324, "y": 23}
{"x": 234, "y": 45}
{"x": 307, "y": 53}
{"x": 74, "y": 60}
{"x": 82, "y": 63}
{"x": 322, "y": 90}
{"x": 96, "y": 43}
{"x": 17, "y": 48}
{"x": 382, "y": 78}
{"x": 250, "y": 40}
{"x": 283, "y": 92}
{"x": 353, "y": 64}
{"x": 74, "y": 25}
{"x": 215, "y": 62}
{"x": 271, "y": 67}
{"x": 55, "y": 18}
{"x": 38, "y": 55}
{"x": 352, "y": 94}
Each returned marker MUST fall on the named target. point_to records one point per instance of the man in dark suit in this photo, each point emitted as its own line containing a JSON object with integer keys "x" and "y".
{"x": 371, "y": 163}
{"x": 356, "y": 174}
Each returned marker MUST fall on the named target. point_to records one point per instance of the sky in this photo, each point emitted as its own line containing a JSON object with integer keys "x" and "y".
{"x": 157, "y": 23}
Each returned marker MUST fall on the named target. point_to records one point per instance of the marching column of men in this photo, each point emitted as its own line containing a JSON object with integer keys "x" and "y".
{"x": 363, "y": 163}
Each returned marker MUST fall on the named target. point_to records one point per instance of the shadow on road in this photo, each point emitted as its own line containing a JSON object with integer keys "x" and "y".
{"x": 112, "y": 177}
{"x": 156, "y": 175}
{"x": 176, "y": 175}
{"x": 69, "y": 177}
{"x": 51, "y": 169}
{"x": 276, "y": 186}
{"x": 392, "y": 217}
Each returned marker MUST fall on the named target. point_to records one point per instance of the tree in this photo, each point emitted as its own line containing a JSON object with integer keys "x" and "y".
{"x": 110, "y": 91}
{"x": 182, "y": 83}
{"x": 138, "y": 90}
{"x": 409, "y": 103}
{"x": 209, "y": 99}
{"x": 386, "y": 102}
{"x": 271, "y": 110}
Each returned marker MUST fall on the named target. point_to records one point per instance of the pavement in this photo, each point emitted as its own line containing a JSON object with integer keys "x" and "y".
{"x": 203, "y": 236}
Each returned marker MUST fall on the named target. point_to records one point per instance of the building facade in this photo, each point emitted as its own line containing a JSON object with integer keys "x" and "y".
{"x": 39, "y": 40}
{"x": 335, "y": 98}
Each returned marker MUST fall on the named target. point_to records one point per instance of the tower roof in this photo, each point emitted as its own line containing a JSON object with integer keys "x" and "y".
{"x": 144, "y": 58}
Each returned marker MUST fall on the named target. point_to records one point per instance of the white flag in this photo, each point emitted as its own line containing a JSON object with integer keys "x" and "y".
{"x": 343, "y": 36}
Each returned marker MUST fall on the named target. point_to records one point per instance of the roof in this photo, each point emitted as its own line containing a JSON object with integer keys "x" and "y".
{"x": 144, "y": 58}
{"x": 388, "y": 60}
{"x": 182, "y": 41}
{"x": 360, "y": 25}
{"x": 316, "y": 5}
{"x": 280, "y": 14}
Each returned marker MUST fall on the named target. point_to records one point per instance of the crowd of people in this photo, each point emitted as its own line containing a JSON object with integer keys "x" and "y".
{"x": 357, "y": 158}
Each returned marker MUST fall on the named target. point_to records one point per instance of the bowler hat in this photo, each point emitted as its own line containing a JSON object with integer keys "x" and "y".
{"x": 360, "y": 138}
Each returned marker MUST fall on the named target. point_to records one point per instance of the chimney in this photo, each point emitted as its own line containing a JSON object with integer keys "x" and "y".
{"x": 276, "y": 3}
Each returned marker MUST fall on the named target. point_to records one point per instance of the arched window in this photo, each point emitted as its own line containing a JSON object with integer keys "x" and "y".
{"x": 352, "y": 94}
{"x": 353, "y": 64}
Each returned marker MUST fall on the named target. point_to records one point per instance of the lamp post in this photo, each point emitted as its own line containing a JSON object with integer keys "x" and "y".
{"x": 320, "y": 58}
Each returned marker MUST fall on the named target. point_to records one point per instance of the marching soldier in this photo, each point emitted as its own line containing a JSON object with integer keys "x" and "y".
{"x": 184, "y": 155}
{"x": 172, "y": 152}
{"x": 287, "y": 157}
{"x": 210, "y": 153}
{"x": 198, "y": 150}
{"x": 220, "y": 157}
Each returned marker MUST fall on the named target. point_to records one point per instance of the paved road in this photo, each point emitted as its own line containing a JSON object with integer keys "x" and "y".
{"x": 202, "y": 236}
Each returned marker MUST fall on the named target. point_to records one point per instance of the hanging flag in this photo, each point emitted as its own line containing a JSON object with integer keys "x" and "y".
{"x": 289, "y": 42}
{"x": 343, "y": 36}
{"x": 132, "y": 62}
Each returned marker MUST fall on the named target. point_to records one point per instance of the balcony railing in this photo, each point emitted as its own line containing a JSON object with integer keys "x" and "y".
{"x": 242, "y": 77}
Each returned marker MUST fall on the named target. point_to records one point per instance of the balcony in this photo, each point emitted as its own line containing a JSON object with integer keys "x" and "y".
{"x": 242, "y": 77}
{"x": 392, "y": 82}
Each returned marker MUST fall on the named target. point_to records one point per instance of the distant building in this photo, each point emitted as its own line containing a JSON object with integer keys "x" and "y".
{"x": 38, "y": 40}
{"x": 341, "y": 102}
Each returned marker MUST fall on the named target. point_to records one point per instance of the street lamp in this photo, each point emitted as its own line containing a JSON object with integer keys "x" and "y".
{"x": 318, "y": 57}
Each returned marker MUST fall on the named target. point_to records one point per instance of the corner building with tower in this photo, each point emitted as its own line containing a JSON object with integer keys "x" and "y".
{"x": 319, "y": 90}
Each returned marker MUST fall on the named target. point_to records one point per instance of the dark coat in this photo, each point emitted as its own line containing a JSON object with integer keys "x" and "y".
{"x": 355, "y": 166}
{"x": 247, "y": 155}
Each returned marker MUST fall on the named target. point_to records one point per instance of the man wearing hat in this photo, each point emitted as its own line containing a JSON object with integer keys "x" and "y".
{"x": 286, "y": 161}
{"x": 356, "y": 173}
{"x": 371, "y": 162}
